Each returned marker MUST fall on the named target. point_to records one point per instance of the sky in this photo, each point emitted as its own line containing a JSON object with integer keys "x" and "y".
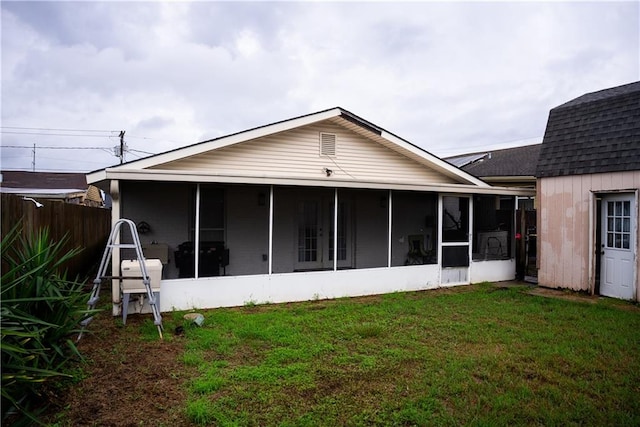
{"x": 449, "y": 77}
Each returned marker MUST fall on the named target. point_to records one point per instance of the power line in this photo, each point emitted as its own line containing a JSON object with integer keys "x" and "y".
{"x": 48, "y": 170}
{"x": 56, "y": 148}
{"x": 143, "y": 152}
{"x": 57, "y": 134}
{"x": 55, "y": 129}
{"x": 71, "y": 160}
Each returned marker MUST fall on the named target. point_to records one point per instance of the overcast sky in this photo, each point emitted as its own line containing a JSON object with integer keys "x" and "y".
{"x": 449, "y": 77}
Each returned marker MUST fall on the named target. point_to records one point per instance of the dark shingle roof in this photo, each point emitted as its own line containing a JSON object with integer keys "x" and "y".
{"x": 594, "y": 133}
{"x": 43, "y": 180}
{"x": 517, "y": 161}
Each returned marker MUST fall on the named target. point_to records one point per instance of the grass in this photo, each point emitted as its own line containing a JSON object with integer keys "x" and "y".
{"x": 477, "y": 355}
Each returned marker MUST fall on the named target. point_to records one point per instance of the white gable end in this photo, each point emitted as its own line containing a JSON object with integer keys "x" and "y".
{"x": 307, "y": 153}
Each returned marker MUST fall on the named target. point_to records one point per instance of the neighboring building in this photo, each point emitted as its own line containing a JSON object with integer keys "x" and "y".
{"x": 320, "y": 206}
{"x": 64, "y": 187}
{"x": 509, "y": 167}
{"x": 588, "y": 182}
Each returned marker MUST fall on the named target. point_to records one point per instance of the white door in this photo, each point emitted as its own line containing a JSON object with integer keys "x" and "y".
{"x": 315, "y": 234}
{"x": 618, "y": 246}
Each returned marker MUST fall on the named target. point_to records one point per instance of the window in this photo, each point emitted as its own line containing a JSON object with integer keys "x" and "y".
{"x": 619, "y": 224}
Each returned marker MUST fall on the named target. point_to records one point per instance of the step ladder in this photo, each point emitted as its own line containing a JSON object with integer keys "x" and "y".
{"x": 104, "y": 264}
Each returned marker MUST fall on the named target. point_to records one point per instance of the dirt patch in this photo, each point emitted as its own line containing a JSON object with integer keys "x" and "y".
{"x": 564, "y": 294}
{"x": 127, "y": 381}
{"x": 583, "y": 297}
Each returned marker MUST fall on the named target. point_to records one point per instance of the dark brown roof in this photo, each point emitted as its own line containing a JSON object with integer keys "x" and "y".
{"x": 594, "y": 133}
{"x": 44, "y": 180}
{"x": 517, "y": 161}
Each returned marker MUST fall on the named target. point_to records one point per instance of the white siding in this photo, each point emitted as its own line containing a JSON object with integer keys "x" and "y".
{"x": 296, "y": 154}
{"x": 493, "y": 271}
{"x": 185, "y": 294}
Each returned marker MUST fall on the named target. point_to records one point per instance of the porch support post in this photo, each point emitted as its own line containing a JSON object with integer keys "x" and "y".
{"x": 270, "y": 230}
{"x": 440, "y": 231}
{"x": 390, "y": 207}
{"x": 114, "y": 190}
{"x": 196, "y": 240}
{"x": 470, "y": 236}
{"x": 335, "y": 229}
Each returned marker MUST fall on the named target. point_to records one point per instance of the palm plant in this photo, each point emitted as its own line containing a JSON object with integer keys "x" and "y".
{"x": 39, "y": 312}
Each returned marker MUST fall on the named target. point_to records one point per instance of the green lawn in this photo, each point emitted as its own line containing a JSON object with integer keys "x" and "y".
{"x": 475, "y": 355}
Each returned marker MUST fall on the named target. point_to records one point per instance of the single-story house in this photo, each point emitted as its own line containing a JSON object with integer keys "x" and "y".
{"x": 319, "y": 206}
{"x": 588, "y": 182}
{"x": 51, "y": 186}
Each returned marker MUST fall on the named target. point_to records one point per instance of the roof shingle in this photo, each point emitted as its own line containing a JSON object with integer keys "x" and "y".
{"x": 595, "y": 133}
{"x": 517, "y": 161}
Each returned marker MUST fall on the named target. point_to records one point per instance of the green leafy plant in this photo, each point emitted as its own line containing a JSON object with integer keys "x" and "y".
{"x": 40, "y": 310}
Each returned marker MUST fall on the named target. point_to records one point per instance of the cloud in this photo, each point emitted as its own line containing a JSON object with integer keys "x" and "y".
{"x": 450, "y": 77}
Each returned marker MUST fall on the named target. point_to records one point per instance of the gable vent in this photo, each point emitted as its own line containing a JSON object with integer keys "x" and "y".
{"x": 327, "y": 144}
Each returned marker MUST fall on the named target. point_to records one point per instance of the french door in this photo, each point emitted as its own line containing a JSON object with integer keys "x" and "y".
{"x": 315, "y": 234}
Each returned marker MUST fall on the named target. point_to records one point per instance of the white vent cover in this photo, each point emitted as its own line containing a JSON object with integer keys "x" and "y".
{"x": 327, "y": 144}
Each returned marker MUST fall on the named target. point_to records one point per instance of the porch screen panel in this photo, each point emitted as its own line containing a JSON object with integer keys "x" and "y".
{"x": 212, "y": 246}
{"x": 455, "y": 219}
{"x": 302, "y": 227}
{"x": 167, "y": 209}
{"x": 247, "y": 229}
{"x": 414, "y": 230}
{"x": 363, "y": 224}
{"x": 493, "y": 218}
{"x": 455, "y": 256}
{"x": 342, "y": 233}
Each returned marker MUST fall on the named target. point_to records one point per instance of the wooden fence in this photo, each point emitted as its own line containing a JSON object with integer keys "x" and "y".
{"x": 86, "y": 227}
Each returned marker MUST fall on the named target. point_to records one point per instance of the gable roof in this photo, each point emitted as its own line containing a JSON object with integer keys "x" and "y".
{"x": 515, "y": 162}
{"x": 152, "y": 167}
{"x": 595, "y": 133}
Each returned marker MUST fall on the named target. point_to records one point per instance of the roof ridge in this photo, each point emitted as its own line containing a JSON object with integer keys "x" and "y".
{"x": 602, "y": 94}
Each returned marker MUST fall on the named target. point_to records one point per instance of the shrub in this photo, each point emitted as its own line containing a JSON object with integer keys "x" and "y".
{"x": 40, "y": 310}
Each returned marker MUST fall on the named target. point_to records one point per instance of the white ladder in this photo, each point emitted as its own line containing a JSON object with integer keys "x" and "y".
{"x": 104, "y": 264}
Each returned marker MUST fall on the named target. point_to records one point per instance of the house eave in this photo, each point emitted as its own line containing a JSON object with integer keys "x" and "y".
{"x": 435, "y": 162}
{"x": 198, "y": 177}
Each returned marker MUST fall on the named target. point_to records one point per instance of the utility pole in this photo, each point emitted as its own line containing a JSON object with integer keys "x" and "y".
{"x": 121, "y": 147}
